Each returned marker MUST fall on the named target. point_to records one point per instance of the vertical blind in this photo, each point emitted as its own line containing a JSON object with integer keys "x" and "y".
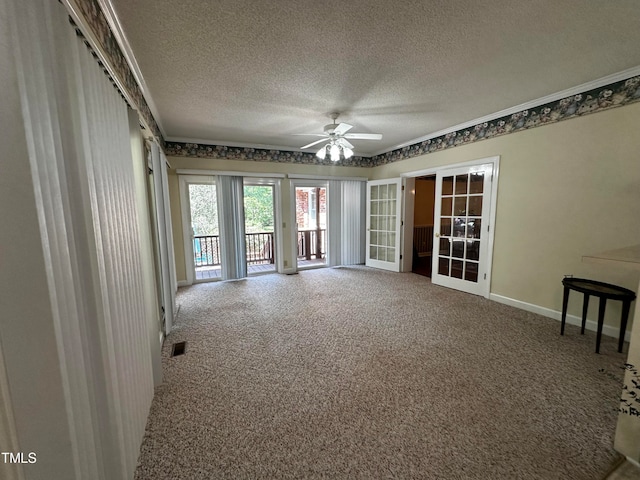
{"x": 353, "y": 226}
{"x": 347, "y": 210}
{"x": 232, "y": 232}
{"x": 77, "y": 132}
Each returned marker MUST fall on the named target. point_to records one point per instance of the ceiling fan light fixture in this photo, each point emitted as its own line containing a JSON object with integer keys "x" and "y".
{"x": 335, "y": 152}
{"x": 336, "y": 135}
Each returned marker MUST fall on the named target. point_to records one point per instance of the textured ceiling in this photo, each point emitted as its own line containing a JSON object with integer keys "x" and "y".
{"x": 251, "y": 72}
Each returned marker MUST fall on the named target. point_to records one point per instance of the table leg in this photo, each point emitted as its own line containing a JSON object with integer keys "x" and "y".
{"x": 565, "y": 302}
{"x": 626, "y": 306}
{"x": 603, "y": 304}
{"x": 585, "y": 307}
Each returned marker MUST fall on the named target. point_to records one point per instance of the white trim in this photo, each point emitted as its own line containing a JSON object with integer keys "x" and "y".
{"x": 116, "y": 28}
{"x": 278, "y": 233}
{"x": 633, "y": 462}
{"x": 325, "y": 177}
{"x": 191, "y": 171}
{"x": 319, "y": 183}
{"x": 556, "y": 315}
{"x": 495, "y": 174}
{"x": 289, "y": 271}
{"x": 185, "y": 214}
{"x": 408, "y": 201}
{"x": 584, "y": 87}
{"x": 383, "y": 264}
{"x": 434, "y": 170}
{"x": 165, "y": 239}
{"x": 183, "y": 283}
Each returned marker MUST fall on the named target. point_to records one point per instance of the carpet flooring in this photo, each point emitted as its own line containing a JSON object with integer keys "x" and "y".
{"x": 361, "y": 373}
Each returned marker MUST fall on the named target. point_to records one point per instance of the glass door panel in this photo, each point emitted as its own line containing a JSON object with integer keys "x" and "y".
{"x": 205, "y": 233}
{"x": 383, "y": 224}
{"x": 462, "y": 209}
{"x": 259, "y": 228}
{"x": 311, "y": 224}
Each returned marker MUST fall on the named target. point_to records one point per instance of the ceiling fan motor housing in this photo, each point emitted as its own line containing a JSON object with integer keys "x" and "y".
{"x": 329, "y": 128}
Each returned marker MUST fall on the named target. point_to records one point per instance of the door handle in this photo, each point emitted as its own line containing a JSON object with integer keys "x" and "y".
{"x": 437, "y": 235}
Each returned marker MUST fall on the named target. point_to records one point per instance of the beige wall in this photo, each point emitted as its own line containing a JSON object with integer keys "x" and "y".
{"x": 249, "y": 167}
{"x": 565, "y": 190}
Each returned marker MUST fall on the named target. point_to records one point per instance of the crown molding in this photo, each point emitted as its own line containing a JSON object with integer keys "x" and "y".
{"x": 116, "y": 29}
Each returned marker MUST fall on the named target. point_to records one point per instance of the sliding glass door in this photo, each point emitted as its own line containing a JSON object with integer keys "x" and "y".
{"x": 203, "y": 259}
{"x": 259, "y": 221}
{"x": 311, "y": 224}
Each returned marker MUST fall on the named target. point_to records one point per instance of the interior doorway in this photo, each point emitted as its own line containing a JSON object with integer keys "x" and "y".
{"x": 425, "y": 198}
{"x": 464, "y": 215}
{"x": 311, "y": 223}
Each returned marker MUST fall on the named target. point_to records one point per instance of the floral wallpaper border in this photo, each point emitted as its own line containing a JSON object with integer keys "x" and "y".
{"x": 92, "y": 13}
{"x": 201, "y": 150}
{"x": 617, "y": 94}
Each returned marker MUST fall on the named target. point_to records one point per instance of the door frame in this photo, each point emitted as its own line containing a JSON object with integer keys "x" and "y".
{"x": 276, "y": 183}
{"x": 319, "y": 183}
{"x": 409, "y": 202}
{"x": 185, "y": 207}
{"x": 397, "y": 264}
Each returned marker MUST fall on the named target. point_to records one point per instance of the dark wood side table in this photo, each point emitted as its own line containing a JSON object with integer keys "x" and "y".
{"x": 604, "y": 291}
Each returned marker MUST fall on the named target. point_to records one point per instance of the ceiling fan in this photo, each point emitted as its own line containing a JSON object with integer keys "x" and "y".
{"x": 336, "y": 135}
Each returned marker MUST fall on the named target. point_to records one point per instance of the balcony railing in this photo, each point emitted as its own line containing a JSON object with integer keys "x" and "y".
{"x": 312, "y": 244}
{"x": 206, "y": 249}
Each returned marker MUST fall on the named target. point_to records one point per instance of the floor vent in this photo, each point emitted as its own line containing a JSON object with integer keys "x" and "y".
{"x": 178, "y": 349}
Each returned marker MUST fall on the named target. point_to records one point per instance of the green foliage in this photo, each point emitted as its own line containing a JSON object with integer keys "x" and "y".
{"x": 204, "y": 209}
{"x": 258, "y": 208}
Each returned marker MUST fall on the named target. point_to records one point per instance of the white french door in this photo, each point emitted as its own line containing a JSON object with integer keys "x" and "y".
{"x": 383, "y": 224}
{"x": 461, "y": 228}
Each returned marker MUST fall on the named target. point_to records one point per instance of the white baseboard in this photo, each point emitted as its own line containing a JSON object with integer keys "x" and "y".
{"x": 289, "y": 271}
{"x": 633, "y": 462}
{"x": 183, "y": 283}
{"x": 571, "y": 319}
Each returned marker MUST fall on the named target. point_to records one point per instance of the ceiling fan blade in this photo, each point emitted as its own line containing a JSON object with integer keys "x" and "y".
{"x": 364, "y": 136}
{"x": 314, "y": 143}
{"x": 342, "y": 128}
{"x": 345, "y": 143}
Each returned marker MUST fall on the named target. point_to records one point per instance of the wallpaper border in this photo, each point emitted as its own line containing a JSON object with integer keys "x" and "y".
{"x": 97, "y": 22}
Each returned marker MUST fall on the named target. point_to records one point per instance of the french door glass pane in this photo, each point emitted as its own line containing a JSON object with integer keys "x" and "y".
{"x": 461, "y": 184}
{"x": 476, "y": 182}
{"x": 461, "y": 209}
{"x": 382, "y": 222}
{"x": 447, "y": 186}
